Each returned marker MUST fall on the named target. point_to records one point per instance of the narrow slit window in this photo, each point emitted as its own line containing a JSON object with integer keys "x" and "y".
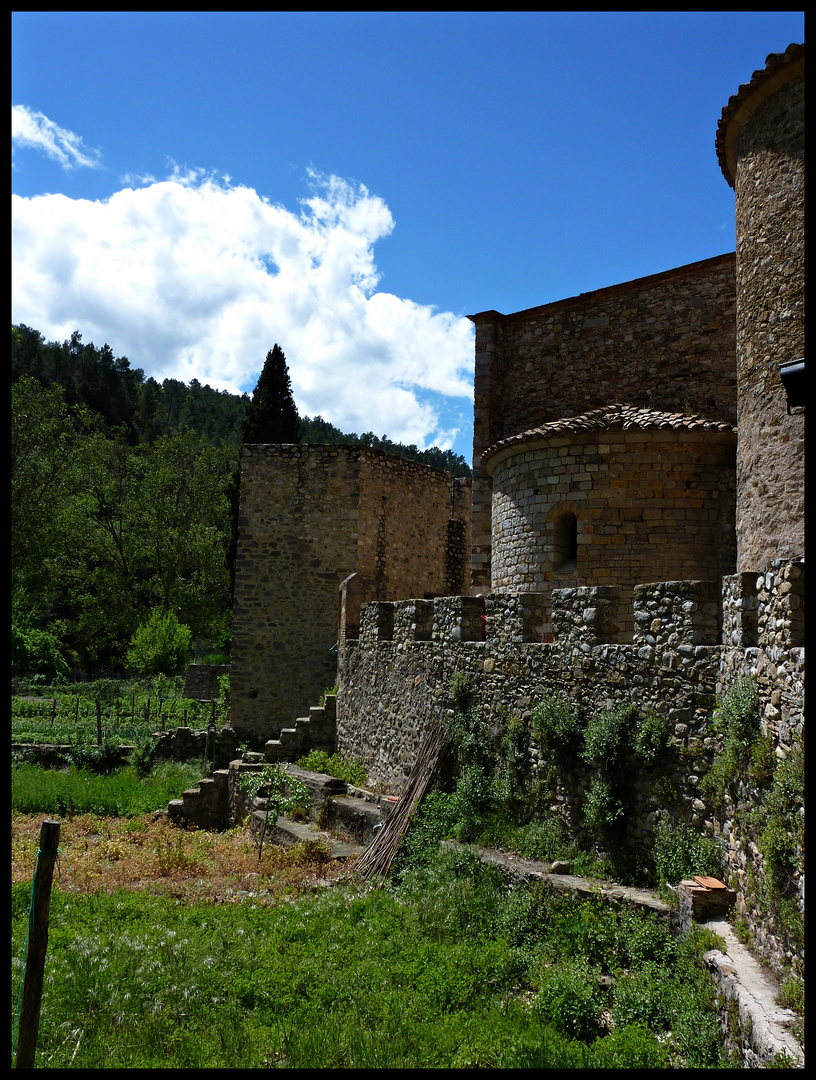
{"x": 566, "y": 543}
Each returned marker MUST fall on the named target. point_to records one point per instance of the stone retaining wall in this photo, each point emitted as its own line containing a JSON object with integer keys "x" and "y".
{"x": 395, "y": 680}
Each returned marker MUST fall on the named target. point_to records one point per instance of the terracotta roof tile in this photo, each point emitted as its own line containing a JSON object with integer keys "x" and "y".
{"x": 619, "y": 415}
{"x": 779, "y": 69}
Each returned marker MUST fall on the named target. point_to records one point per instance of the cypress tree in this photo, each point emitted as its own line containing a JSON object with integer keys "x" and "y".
{"x": 272, "y": 415}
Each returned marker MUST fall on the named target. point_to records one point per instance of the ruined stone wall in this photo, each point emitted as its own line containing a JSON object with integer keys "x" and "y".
{"x": 298, "y": 534}
{"x": 649, "y": 504}
{"x": 310, "y": 517}
{"x": 663, "y": 342}
{"x": 770, "y": 193}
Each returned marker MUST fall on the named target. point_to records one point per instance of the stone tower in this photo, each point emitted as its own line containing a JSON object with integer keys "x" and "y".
{"x": 760, "y": 146}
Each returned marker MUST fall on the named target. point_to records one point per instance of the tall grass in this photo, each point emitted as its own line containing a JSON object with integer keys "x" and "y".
{"x": 79, "y": 791}
{"x": 446, "y": 970}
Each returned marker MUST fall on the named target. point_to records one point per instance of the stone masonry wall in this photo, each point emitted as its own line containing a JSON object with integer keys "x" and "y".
{"x": 770, "y": 194}
{"x": 648, "y": 504}
{"x": 663, "y": 342}
{"x": 310, "y": 517}
{"x": 297, "y": 540}
{"x": 395, "y": 680}
{"x": 403, "y": 525}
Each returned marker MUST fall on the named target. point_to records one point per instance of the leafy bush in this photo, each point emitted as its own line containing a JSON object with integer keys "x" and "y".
{"x": 643, "y": 997}
{"x": 571, "y": 1001}
{"x": 162, "y": 645}
{"x": 607, "y": 735}
{"x": 283, "y": 792}
{"x": 352, "y": 770}
{"x": 652, "y": 737}
{"x": 558, "y": 722}
{"x": 602, "y": 808}
{"x": 680, "y": 851}
{"x": 461, "y": 690}
{"x": 36, "y": 652}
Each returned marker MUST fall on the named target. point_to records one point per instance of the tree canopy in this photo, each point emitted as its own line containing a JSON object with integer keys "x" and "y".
{"x": 123, "y": 495}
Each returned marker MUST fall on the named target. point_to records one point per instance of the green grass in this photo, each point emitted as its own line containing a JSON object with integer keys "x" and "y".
{"x": 79, "y": 791}
{"x": 351, "y": 770}
{"x": 446, "y": 969}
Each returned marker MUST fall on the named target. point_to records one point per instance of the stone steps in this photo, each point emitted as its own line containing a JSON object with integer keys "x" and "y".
{"x": 288, "y": 833}
{"x": 317, "y": 731}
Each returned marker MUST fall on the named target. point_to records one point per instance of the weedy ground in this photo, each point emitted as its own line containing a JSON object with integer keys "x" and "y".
{"x": 145, "y": 854}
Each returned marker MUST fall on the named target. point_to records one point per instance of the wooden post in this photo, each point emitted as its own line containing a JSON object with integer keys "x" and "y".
{"x": 37, "y": 945}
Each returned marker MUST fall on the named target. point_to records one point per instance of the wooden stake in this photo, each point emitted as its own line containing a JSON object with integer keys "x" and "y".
{"x": 37, "y": 946}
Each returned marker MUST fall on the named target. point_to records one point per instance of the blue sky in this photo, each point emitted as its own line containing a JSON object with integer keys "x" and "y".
{"x": 194, "y": 187}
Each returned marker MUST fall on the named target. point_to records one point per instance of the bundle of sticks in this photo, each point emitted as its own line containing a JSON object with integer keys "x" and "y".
{"x": 377, "y": 858}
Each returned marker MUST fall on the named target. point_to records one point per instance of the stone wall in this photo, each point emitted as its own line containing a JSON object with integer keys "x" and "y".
{"x": 766, "y": 122}
{"x": 663, "y": 342}
{"x": 312, "y": 516}
{"x": 396, "y": 679}
{"x": 646, "y": 502}
{"x": 201, "y": 681}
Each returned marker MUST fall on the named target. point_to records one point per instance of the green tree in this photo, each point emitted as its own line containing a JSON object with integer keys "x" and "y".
{"x": 161, "y": 646}
{"x": 44, "y": 477}
{"x": 272, "y": 416}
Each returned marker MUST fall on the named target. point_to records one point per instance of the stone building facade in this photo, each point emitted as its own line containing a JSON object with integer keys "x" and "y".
{"x": 663, "y": 343}
{"x": 617, "y": 496}
{"x": 311, "y": 517}
{"x": 760, "y": 145}
{"x": 637, "y": 511}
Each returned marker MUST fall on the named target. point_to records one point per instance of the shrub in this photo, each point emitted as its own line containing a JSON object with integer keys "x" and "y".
{"x": 162, "y": 645}
{"x": 571, "y": 1001}
{"x": 602, "y": 807}
{"x": 680, "y": 851}
{"x": 283, "y": 792}
{"x": 607, "y": 735}
{"x": 558, "y": 722}
{"x": 643, "y": 997}
{"x": 36, "y": 652}
{"x": 652, "y": 737}
{"x": 352, "y": 770}
{"x": 461, "y": 690}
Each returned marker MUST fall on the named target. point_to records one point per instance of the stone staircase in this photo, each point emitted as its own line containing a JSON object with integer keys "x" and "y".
{"x": 317, "y": 731}
{"x": 335, "y": 808}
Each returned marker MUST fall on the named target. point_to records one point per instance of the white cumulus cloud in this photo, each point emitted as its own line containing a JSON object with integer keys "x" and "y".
{"x": 30, "y": 128}
{"x": 197, "y": 277}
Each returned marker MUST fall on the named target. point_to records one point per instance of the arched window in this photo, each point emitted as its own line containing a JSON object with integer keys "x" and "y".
{"x": 566, "y": 544}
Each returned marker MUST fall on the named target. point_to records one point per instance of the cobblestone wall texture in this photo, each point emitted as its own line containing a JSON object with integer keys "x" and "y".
{"x": 311, "y": 516}
{"x": 396, "y": 679}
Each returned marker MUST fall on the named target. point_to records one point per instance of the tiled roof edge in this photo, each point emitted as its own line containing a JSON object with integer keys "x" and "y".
{"x": 779, "y": 69}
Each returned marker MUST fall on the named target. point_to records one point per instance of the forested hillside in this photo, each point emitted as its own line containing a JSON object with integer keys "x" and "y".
{"x": 121, "y": 502}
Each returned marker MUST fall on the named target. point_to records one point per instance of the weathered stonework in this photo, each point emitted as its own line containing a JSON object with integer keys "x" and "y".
{"x": 311, "y": 516}
{"x": 664, "y": 342}
{"x": 649, "y": 496}
{"x": 761, "y": 146}
{"x": 395, "y": 680}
